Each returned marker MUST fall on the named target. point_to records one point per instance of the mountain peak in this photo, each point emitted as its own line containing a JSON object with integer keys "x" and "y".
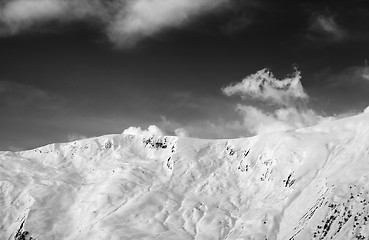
{"x": 308, "y": 183}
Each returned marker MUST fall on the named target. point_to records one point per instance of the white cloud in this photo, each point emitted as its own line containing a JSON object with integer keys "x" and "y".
{"x": 366, "y": 110}
{"x": 265, "y": 87}
{"x": 181, "y": 132}
{"x": 278, "y": 111}
{"x": 152, "y": 130}
{"x": 257, "y": 121}
{"x": 23, "y": 10}
{"x": 126, "y": 22}
{"x": 143, "y": 18}
{"x": 365, "y": 71}
{"x": 19, "y": 14}
{"x": 282, "y": 105}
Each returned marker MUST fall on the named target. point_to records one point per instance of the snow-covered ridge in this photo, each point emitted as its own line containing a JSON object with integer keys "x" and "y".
{"x": 306, "y": 184}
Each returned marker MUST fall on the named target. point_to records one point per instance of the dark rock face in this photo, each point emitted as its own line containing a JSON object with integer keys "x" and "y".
{"x": 22, "y": 234}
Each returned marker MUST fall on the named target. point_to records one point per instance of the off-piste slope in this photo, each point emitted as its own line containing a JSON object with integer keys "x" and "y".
{"x": 305, "y": 184}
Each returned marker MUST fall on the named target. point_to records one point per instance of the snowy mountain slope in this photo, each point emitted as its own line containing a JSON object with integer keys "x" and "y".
{"x": 310, "y": 183}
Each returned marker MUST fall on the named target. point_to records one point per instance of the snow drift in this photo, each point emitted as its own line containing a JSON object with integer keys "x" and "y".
{"x": 309, "y": 183}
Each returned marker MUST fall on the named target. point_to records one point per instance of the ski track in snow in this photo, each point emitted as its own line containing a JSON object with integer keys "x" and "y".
{"x": 310, "y": 183}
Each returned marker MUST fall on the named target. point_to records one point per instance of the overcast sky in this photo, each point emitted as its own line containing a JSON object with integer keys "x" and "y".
{"x": 201, "y": 68}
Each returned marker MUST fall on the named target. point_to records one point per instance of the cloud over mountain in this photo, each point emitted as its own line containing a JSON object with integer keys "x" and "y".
{"x": 152, "y": 130}
{"x": 283, "y": 103}
{"x": 259, "y": 121}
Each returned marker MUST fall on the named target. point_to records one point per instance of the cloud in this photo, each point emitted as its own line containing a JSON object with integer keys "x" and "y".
{"x": 126, "y": 22}
{"x": 152, "y": 130}
{"x": 265, "y": 87}
{"x": 143, "y": 18}
{"x": 279, "y": 109}
{"x": 181, "y": 132}
{"x": 326, "y": 27}
{"x": 165, "y": 128}
{"x": 366, "y": 110}
{"x": 19, "y": 15}
{"x": 257, "y": 121}
{"x": 75, "y": 136}
{"x": 202, "y": 128}
{"x": 281, "y": 105}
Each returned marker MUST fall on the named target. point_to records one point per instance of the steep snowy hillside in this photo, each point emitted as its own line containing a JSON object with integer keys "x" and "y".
{"x": 310, "y": 183}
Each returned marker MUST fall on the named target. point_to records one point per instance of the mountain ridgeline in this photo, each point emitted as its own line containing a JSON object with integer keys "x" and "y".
{"x": 310, "y": 183}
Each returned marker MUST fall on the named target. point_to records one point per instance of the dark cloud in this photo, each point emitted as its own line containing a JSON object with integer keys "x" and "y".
{"x": 236, "y": 25}
{"x": 17, "y": 96}
{"x": 336, "y": 21}
{"x": 325, "y": 27}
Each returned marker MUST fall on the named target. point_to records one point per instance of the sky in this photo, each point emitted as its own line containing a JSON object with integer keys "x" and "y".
{"x": 198, "y": 68}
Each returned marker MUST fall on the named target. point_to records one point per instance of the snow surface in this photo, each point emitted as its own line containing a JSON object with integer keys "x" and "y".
{"x": 310, "y": 183}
